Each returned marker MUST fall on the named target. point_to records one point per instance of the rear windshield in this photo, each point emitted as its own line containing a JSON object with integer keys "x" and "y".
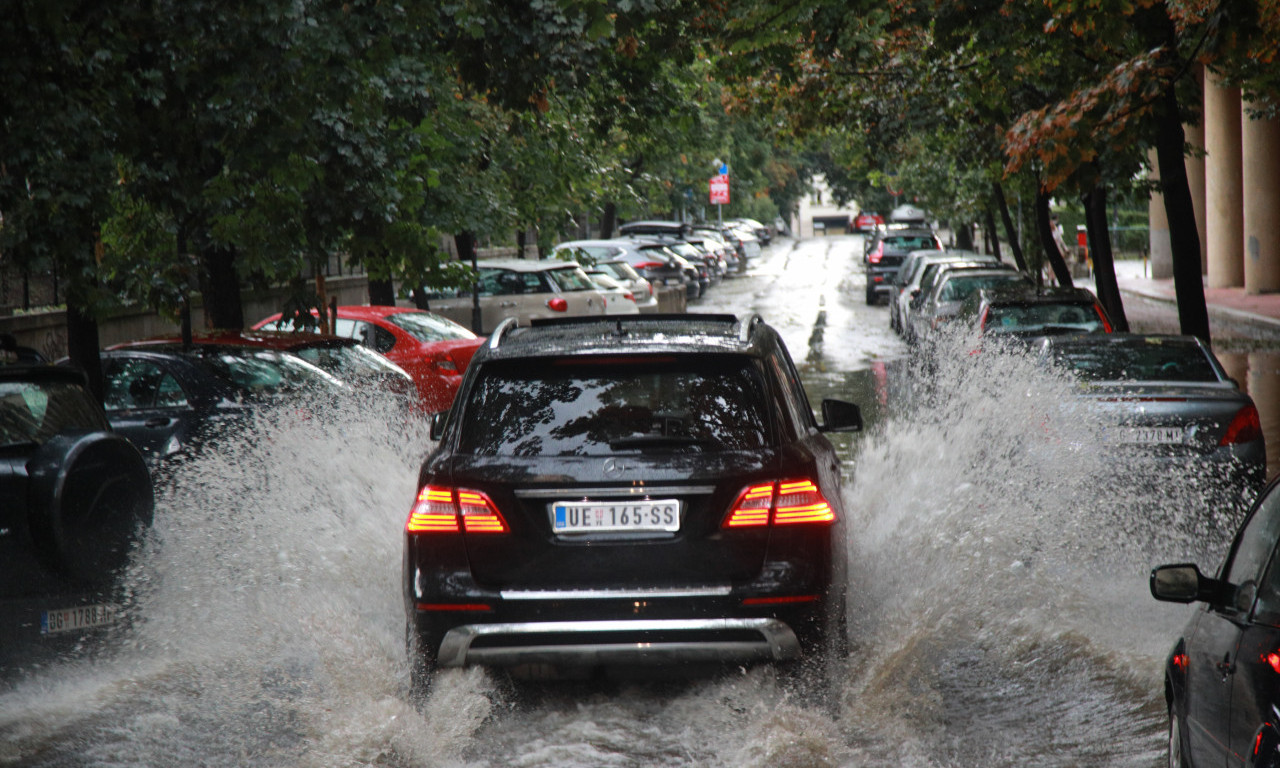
{"x": 959, "y": 287}
{"x": 33, "y": 412}
{"x": 645, "y": 404}
{"x": 910, "y": 243}
{"x": 571, "y": 279}
{"x": 266, "y": 372}
{"x": 1041, "y": 317}
{"x": 1148, "y": 362}
{"x": 427, "y": 327}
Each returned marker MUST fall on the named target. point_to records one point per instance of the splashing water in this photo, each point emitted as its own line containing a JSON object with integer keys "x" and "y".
{"x": 997, "y": 603}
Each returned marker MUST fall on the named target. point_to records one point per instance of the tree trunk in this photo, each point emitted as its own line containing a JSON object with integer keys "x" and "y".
{"x": 1044, "y": 228}
{"x": 609, "y": 221}
{"x": 466, "y": 245}
{"x": 382, "y": 292}
{"x": 1104, "y": 267}
{"x": 1184, "y": 238}
{"x": 220, "y": 286}
{"x": 82, "y": 342}
{"x": 964, "y": 237}
{"x": 1010, "y": 233}
{"x": 989, "y": 234}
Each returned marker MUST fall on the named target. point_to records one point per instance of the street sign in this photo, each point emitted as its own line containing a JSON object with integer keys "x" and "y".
{"x": 720, "y": 189}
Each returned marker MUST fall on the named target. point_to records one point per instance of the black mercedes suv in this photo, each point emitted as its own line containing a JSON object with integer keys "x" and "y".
{"x": 645, "y": 490}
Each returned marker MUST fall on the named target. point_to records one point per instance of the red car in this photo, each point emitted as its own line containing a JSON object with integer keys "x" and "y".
{"x": 867, "y": 221}
{"x": 434, "y": 350}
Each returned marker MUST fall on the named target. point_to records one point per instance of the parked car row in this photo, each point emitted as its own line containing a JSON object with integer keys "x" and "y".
{"x": 1166, "y": 400}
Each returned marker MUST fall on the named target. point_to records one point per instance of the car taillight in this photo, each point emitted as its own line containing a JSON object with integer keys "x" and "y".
{"x": 650, "y": 265}
{"x": 558, "y": 305}
{"x": 1271, "y": 660}
{"x": 1106, "y": 325}
{"x": 444, "y": 510}
{"x": 875, "y": 256}
{"x": 1244, "y": 428}
{"x": 650, "y": 289}
{"x": 982, "y": 323}
{"x": 786, "y": 502}
{"x": 630, "y": 296}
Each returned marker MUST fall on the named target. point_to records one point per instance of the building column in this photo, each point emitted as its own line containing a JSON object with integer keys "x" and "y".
{"x": 1158, "y": 226}
{"x": 1224, "y": 225}
{"x": 1195, "y": 174}
{"x": 1260, "y": 153}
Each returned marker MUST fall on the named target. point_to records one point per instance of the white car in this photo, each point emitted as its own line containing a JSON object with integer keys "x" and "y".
{"x": 524, "y": 289}
{"x": 618, "y": 298}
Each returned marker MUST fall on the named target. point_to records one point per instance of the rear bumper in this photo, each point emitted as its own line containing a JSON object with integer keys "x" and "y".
{"x": 645, "y": 641}
{"x": 880, "y": 279}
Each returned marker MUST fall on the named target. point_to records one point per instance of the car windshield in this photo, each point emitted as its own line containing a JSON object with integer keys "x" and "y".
{"x": 348, "y": 362}
{"x": 34, "y": 411}
{"x": 571, "y": 279}
{"x": 427, "y": 327}
{"x": 572, "y": 407}
{"x": 1021, "y": 318}
{"x": 266, "y": 372}
{"x": 1145, "y": 362}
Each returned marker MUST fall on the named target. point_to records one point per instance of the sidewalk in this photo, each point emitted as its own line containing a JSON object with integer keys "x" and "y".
{"x": 1260, "y": 314}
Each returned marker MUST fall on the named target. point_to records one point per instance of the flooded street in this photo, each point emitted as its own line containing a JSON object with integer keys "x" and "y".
{"x": 998, "y": 599}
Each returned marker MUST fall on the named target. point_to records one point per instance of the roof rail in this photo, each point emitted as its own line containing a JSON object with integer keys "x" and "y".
{"x": 749, "y": 324}
{"x": 495, "y": 338}
{"x": 616, "y": 320}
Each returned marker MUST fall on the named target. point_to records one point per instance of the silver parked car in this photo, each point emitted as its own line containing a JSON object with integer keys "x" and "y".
{"x": 1172, "y": 402}
{"x": 522, "y": 289}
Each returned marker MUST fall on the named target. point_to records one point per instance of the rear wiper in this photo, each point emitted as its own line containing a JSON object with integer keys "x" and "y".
{"x": 650, "y": 441}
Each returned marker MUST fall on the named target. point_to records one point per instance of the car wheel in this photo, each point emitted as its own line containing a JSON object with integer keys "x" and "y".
{"x": 871, "y": 293}
{"x": 90, "y": 499}
{"x": 1177, "y": 755}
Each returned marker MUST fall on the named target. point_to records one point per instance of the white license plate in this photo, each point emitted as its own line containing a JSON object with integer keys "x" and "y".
{"x": 82, "y": 617}
{"x": 594, "y": 517}
{"x": 1155, "y": 435}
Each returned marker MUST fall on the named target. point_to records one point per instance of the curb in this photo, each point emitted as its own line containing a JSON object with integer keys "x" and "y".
{"x": 1269, "y": 325}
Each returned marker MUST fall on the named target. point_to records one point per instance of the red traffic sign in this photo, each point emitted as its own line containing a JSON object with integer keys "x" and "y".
{"x": 720, "y": 189}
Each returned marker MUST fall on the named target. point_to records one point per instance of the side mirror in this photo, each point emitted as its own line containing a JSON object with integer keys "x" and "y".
{"x": 840, "y": 416}
{"x": 1183, "y": 583}
{"x": 438, "y": 420}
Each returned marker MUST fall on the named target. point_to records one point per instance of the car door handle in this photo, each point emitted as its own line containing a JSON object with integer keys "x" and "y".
{"x": 1225, "y": 666}
{"x": 158, "y": 421}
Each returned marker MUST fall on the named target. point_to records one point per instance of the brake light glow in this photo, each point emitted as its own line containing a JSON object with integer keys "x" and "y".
{"x": 479, "y": 515}
{"x": 875, "y": 256}
{"x": 443, "y": 510}
{"x": 982, "y": 324}
{"x": 786, "y": 502}
{"x": 1180, "y": 662}
{"x": 752, "y": 507}
{"x": 783, "y": 600}
{"x": 434, "y": 512}
{"x": 453, "y": 607}
{"x": 1272, "y": 660}
{"x": 1106, "y": 325}
{"x": 800, "y": 501}
{"x": 1244, "y": 428}
{"x": 558, "y": 305}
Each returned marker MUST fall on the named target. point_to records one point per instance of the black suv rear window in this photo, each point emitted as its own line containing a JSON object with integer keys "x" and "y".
{"x": 610, "y": 406}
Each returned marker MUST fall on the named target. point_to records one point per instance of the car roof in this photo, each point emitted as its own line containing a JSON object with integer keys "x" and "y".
{"x": 283, "y": 341}
{"x": 629, "y": 334}
{"x": 527, "y": 265}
